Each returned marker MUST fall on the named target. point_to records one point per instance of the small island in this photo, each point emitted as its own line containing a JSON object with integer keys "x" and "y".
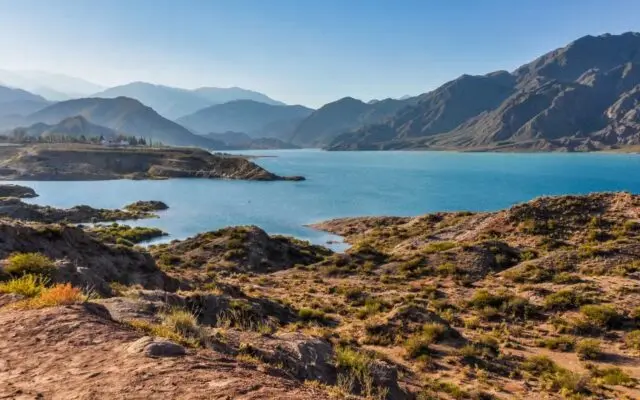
{"x": 75, "y": 161}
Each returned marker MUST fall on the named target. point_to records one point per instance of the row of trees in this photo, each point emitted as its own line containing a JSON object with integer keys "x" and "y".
{"x": 21, "y": 136}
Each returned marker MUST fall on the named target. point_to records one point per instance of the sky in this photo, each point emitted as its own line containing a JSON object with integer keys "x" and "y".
{"x": 307, "y": 52}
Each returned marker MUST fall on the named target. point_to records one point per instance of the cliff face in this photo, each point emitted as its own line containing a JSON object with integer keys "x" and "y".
{"x": 83, "y": 162}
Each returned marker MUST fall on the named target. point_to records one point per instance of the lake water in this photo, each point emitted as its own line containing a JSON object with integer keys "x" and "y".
{"x": 343, "y": 184}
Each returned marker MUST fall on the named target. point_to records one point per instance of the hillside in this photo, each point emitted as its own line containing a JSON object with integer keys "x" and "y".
{"x": 174, "y": 103}
{"x": 536, "y": 301}
{"x": 242, "y": 141}
{"x": 72, "y": 127}
{"x": 252, "y": 117}
{"x": 18, "y": 102}
{"x": 124, "y": 115}
{"x": 579, "y": 97}
{"x": 343, "y": 115}
{"x": 51, "y": 86}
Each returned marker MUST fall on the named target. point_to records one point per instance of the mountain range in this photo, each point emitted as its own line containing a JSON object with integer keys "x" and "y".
{"x": 254, "y": 118}
{"x": 51, "y": 86}
{"x": 584, "y": 96}
{"x": 73, "y": 126}
{"x": 174, "y": 103}
{"x": 124, "y": 115}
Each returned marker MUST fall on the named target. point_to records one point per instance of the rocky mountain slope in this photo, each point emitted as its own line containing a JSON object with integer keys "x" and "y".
{"x": 174, "y": 103}
{"x": 536, "y": 301}
{"x": 19, "y": 102}
{"x": 341, "y": 116}
{"x": 92, "y": 162}
{"x": 579, "y": 97}
{"x": 251, "y": 117}
{"x": 124, "y": 115}
{"x": 242, "y": 141}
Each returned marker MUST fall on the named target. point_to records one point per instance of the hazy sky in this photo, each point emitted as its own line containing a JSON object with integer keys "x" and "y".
{"x": 298, "y": 51}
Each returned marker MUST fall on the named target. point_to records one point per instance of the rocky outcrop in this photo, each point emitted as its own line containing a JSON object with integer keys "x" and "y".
{"x": 247, "y": 248}
{"x": 17, "y": 191}
{"x": 81, "y": 259}
{"x": 147, "y": 206}
{"x": 17, "y": 209}
{"x": 87, "y": 162}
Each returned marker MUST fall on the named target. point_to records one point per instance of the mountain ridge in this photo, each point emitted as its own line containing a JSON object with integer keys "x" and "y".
{"x": 559, "y": 101}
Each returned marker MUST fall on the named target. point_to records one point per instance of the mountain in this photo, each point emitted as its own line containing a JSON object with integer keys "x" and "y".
{"x": 584, "y": 96}
{"x": 73, "y": 126}
{"x": 224, "y": 95}
{"x": 174, "y": 103}
{"x": 252, "y": 117}
{"x": 242, "y": 141}
{"x": 51, "y": 86}
{"x": 124, "y": 115}
{"x": 341, "y": 116}
{"x": 16, "y": 102}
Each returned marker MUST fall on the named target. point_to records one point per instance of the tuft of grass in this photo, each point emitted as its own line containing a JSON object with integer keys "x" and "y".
{"x": 556, "y": 379}
{"x": 26, "y": 285}
{"x": 611, "y": 376}
{"x": 19, "y": 264}
{"x": 417, "y": 345}
{"x": 182, "y": 322}
{"x": 632, "y": 340}
{"x": 588, "y": 349}
{"x": 560, "y": 343}
{"x": 437, "y": 247}
{"x": 563, "y": 300}
{"x": 600, "y": 315}
{"x": 62, "y": 294}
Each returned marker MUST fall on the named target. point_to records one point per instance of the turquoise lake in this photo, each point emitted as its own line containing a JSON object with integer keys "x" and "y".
{"x": 341, "y": 184}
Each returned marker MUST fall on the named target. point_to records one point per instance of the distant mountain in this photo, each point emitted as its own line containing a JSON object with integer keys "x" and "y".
{"x": 51, "y": 86}
{"x": 174, "y": 103}
{"x": 229, "y": 138}
{"x": 124, "y": 115}
{"x": 18, "y": 102}
{"x": 73, "y": 126}
{"x": 242, "y": 141}
{"x": 584, "y": 96}
{"x": 341, "y": 116}
{"x": 224, "y": 95}
{"x": 252, "y": 117}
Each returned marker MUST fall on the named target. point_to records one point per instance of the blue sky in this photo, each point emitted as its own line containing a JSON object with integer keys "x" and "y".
{"x": 298, "y": 51}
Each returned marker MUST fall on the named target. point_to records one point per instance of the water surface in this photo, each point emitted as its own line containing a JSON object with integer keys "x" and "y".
{"x": 341, "y": 184}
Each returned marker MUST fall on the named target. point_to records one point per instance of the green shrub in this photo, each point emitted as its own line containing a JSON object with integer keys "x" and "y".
{"x": 563, "y": 300}
{"x": 632, "y": 340}
{"x": 588, "y": 349}
{"x": 612, "y": 376}
{"x": 433, "y": 331}
{"x": 310, "y": 314}
{"x": 437, "y": 247}
{"x": 30, "y": 263}
{"x": 601, "y": 315}
{"x": 26, "y": 285}
{"x": 560, "y": 343}
{"x": 489, "y": 304}
{"x": 417, "y": 345}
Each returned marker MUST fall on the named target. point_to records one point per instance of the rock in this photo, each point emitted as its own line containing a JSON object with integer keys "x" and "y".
{"x": 309, "y": 358}
{"x": 17, "y": 191}
{"x": 15, "y": 208}
{"x": 151, "y": 347}
{"x": 147, "y": 206}
{"x": 81, "y": 259}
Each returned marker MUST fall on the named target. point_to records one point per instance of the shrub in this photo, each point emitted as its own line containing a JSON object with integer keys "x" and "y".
{"x": 563, "y": 300}
{"x": 417, "y": 345}
{"x": 560, "y": 343}
{"x": 603, "y": 316}
{"x": 588, "y": 349}
{"x": 26, "y": 285}
{"x": 632, "y": 340}
{"x": 182, "y": 322}
{"x": 490, "y": 304}
{"x": 554, "y": 378}
{"x": 30, "y": 263}
{"x": 611, "y": 376}
{"x": 433, "y": 331}
{"x": 58, "y": 295}
{"x": 310, "y": 314}
{"x": 437, "y": 247}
